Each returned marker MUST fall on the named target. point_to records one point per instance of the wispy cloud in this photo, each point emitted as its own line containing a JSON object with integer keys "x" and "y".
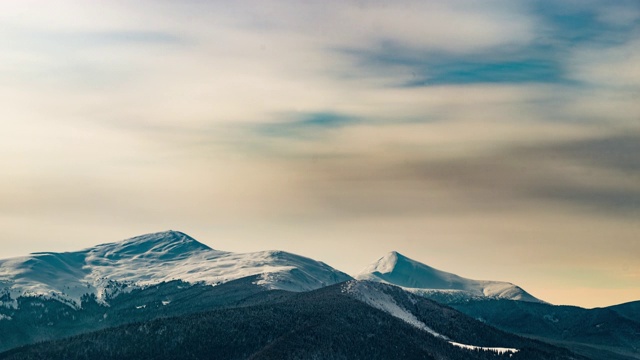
{"x": 305, "y": 125}
{"x": 426, "y": 68}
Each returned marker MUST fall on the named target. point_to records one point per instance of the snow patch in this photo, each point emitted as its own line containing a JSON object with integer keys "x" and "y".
{"x": 382, "y": 301}
{"x": 371, "y": 295}
{"x": 9, "y": 304}
{"x": 499, "y": 350}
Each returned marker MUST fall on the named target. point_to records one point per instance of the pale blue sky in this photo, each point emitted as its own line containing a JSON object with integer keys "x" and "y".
{"x": 494, "y": 139}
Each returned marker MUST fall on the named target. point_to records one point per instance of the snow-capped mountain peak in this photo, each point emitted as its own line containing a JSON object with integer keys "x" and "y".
{"x": 397, "y": 269}
{"x": 107, "y": 269}
{"x": 387, "y": 263}
{"x": 164, "y": 245}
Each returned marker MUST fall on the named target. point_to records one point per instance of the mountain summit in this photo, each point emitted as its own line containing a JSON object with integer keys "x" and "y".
{"x": 397, "y": 269}
{"x": 164, "y": 245}
{"x": 107, "y": 269}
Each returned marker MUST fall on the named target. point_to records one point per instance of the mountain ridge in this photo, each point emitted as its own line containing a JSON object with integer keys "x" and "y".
{"x": 158, "y": 274}
{"x": 397, "y": 269}
{"x": 107, "y": 269}
{"x": 328, "y": 323}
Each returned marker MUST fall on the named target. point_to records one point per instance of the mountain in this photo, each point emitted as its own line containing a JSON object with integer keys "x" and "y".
{"x": 630, "y": 310}
{"x": 397, "y": 269}
{"x": 609, "y": 333}
{"x": 47, "y": 296}
{"x": 334, "y": 322}
{"x": 37, "y": 319}
{"x": 116, "y": 298}
{"x": 601, "y": 333}
{"x": 109, "y": 269}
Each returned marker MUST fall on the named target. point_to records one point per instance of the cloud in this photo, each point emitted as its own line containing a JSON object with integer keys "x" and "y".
{"x": 428, "y": 68}
{"x": 613, "y": 66}
{"x": 616, "y": 152}
{"x": 370, "y": 169}
{"x": 456, "y": 26}
{"x": 576, "y": 22}
{"x": 497, "y": 72}
{"x": 585, "y": 33}
{"x": 305, "y": 125}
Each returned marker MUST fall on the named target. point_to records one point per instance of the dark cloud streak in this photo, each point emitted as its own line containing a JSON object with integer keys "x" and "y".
{"x": 577, "y": 174}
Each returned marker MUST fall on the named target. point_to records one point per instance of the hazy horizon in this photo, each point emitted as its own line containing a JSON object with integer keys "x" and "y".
{"x": 495, "y": 140}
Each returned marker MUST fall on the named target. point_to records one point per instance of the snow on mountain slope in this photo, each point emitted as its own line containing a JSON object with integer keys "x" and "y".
{"x": 374, "y": 295}
{"x": 397, "y": 269}
{"x": 106, "y": 269}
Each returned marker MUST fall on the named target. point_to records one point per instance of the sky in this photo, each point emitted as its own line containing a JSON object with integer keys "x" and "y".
{"x": 493, "y": 139}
